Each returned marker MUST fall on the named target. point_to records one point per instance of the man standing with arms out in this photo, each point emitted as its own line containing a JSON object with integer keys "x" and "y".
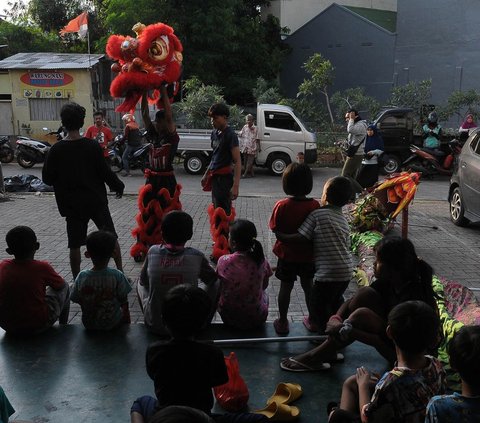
{"x": 357, "y": 132}
{"x": 220, "y": 179}
{"x": 100, "y": 133}
{"x": 76, "y": 170}
{"x": 161, "y": 191}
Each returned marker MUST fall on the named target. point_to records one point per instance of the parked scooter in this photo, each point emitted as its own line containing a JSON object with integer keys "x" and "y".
{"x": 30, "y": 151}
{"x": 424, "y": 160}
{"x": 138, "y": 160}
{"x": 6, "y": 150}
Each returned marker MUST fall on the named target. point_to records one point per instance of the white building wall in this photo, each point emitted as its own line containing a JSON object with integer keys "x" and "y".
{"x": 295, "y": 13}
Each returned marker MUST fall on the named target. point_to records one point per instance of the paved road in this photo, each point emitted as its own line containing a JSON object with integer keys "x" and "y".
{"x": 453, "y": 252}
{"x": 262, "y": 185}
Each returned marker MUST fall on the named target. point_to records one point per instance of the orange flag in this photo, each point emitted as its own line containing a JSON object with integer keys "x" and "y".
{"x": 79, "y": 24}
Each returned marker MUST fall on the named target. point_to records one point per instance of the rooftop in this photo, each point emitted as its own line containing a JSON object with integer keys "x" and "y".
{"x": 50, "y": 61}
{"x": 384, "y": 18}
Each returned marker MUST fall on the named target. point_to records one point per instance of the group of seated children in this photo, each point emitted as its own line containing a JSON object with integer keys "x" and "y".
{"x": 397, "y": 314}
{"x": 414, "y": 390}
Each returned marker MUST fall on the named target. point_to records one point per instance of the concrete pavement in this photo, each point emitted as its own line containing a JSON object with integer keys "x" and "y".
{"x": 453, "y": 252}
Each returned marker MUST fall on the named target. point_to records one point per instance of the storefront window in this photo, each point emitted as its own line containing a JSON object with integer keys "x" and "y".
{"x": 46, "y": 108}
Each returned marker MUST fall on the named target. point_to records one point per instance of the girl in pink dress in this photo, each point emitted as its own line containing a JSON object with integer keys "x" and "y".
{"x": 243, "y": 275}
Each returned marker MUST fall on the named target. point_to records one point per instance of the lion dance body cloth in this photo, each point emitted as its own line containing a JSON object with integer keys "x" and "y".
{"x": 158, "y": 196}
{"x": 144, "y": 63}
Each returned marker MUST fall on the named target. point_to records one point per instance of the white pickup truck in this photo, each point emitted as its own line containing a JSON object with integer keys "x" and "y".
{"x": 282, "y": 135}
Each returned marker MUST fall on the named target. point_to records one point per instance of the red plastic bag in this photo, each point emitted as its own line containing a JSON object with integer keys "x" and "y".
{"x": 233, "y": 395}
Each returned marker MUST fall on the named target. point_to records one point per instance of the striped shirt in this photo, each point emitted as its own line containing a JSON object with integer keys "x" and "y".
{"x": 330, "y": 233}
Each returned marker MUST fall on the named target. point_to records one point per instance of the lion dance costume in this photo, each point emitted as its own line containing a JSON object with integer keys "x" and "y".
{"x": 144, "y": 63}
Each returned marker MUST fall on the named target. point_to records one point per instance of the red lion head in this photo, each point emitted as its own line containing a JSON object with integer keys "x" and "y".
{"x": 144, "y": 63}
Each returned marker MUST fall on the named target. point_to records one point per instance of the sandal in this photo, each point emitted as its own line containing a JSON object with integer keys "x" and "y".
{"x": 286, "y": 393}
{"x": 279, "y": 412}
{"x": 312, "y": 327}
{"x": 281, "y": 328}
{"x": 286, "y": 364}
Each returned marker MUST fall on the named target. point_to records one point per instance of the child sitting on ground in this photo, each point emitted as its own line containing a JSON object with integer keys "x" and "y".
{"x": 172, "y": 264}
{"x": 32, "y": 295}
{"x": 185, "y": 371}
{"x": 243, "y": 275}
{"x": 102, "y": 292}
{"x": 293, "y": 259}
{"x": 328, "y": 228}
{"x": 464, "y": 352}
{"x": 402, "y": 394}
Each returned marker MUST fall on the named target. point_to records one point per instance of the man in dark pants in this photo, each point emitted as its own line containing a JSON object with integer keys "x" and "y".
{"x": 161, "y": 191}
{"x": 220, "y": 179}
{"x": 78, "y": 173}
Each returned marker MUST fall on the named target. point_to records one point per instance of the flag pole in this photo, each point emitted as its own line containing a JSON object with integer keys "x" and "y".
{"x": 88, "y": 47}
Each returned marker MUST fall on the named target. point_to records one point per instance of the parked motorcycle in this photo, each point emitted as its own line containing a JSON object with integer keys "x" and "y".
{"x": 138, "y": 160}
{"x": 6, "y": 150}
{"x": 424, "y": 160}
{"x": 30, "y": 151}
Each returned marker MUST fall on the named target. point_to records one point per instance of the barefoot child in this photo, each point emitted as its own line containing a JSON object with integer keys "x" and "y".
{"x": 102, "y": 291}
{"x": 243, "y": 275}
{"x": 293, "y": 259}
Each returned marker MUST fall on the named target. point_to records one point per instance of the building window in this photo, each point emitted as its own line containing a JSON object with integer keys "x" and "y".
{"x": 46, "y": 108}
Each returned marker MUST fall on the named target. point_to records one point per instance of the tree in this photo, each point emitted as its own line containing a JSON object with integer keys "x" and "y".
{"x": 265, "y": 92}
{"x": 459, "y": 104}
{"x": 226, "y": 43}
{"x": 51, "y": 16}
{"x": 354, "y": 98}
{"x": 320, "y": 72}
{"x": 21, "y": 38}
{"x": 414, "y": 95}
{"x": 198, "y": 99}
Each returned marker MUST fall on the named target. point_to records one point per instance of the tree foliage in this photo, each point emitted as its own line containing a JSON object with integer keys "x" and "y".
{"x": 198, "y": 99}
{"x": 415, "y": 94}
{"x": 354, "y": 98}
{"x": 266, "y": 92}
{"x": 21, "y": 38}
{"x": 321, "y": 74}
{"x": 226, "y": 43}
{"x": 459, "y": 104}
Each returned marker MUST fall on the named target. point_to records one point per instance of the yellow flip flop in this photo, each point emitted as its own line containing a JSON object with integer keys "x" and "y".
{"x": 280, "y": 412}
{"x": 286, "y": 393}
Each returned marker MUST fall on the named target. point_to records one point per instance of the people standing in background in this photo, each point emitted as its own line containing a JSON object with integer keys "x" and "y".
{"x": 133, "y": 140}
{"x": 465, "y": 128}
{"x": 432, "y": 132}
{"x": 357, "y": 132}
{"x": 250, "y": 145}
{"x": 374, "y": 148}
{"x": 100, "y": 133}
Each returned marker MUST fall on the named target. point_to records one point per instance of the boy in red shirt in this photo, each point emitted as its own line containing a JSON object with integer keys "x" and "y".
{"x": 32, "y": 295}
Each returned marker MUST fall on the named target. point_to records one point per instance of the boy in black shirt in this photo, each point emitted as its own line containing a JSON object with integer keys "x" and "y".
{"x": 78, "y": 173}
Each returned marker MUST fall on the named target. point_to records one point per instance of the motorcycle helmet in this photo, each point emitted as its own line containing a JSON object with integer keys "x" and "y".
{"x": 432, "y": 118}
{"x": 128, "y": 117}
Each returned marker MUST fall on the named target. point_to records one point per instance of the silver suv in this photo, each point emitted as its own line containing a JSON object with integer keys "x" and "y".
{"x": 464, "y": 193}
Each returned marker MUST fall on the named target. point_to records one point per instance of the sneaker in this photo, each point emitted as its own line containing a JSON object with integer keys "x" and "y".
{"x": 125, "y": 173}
